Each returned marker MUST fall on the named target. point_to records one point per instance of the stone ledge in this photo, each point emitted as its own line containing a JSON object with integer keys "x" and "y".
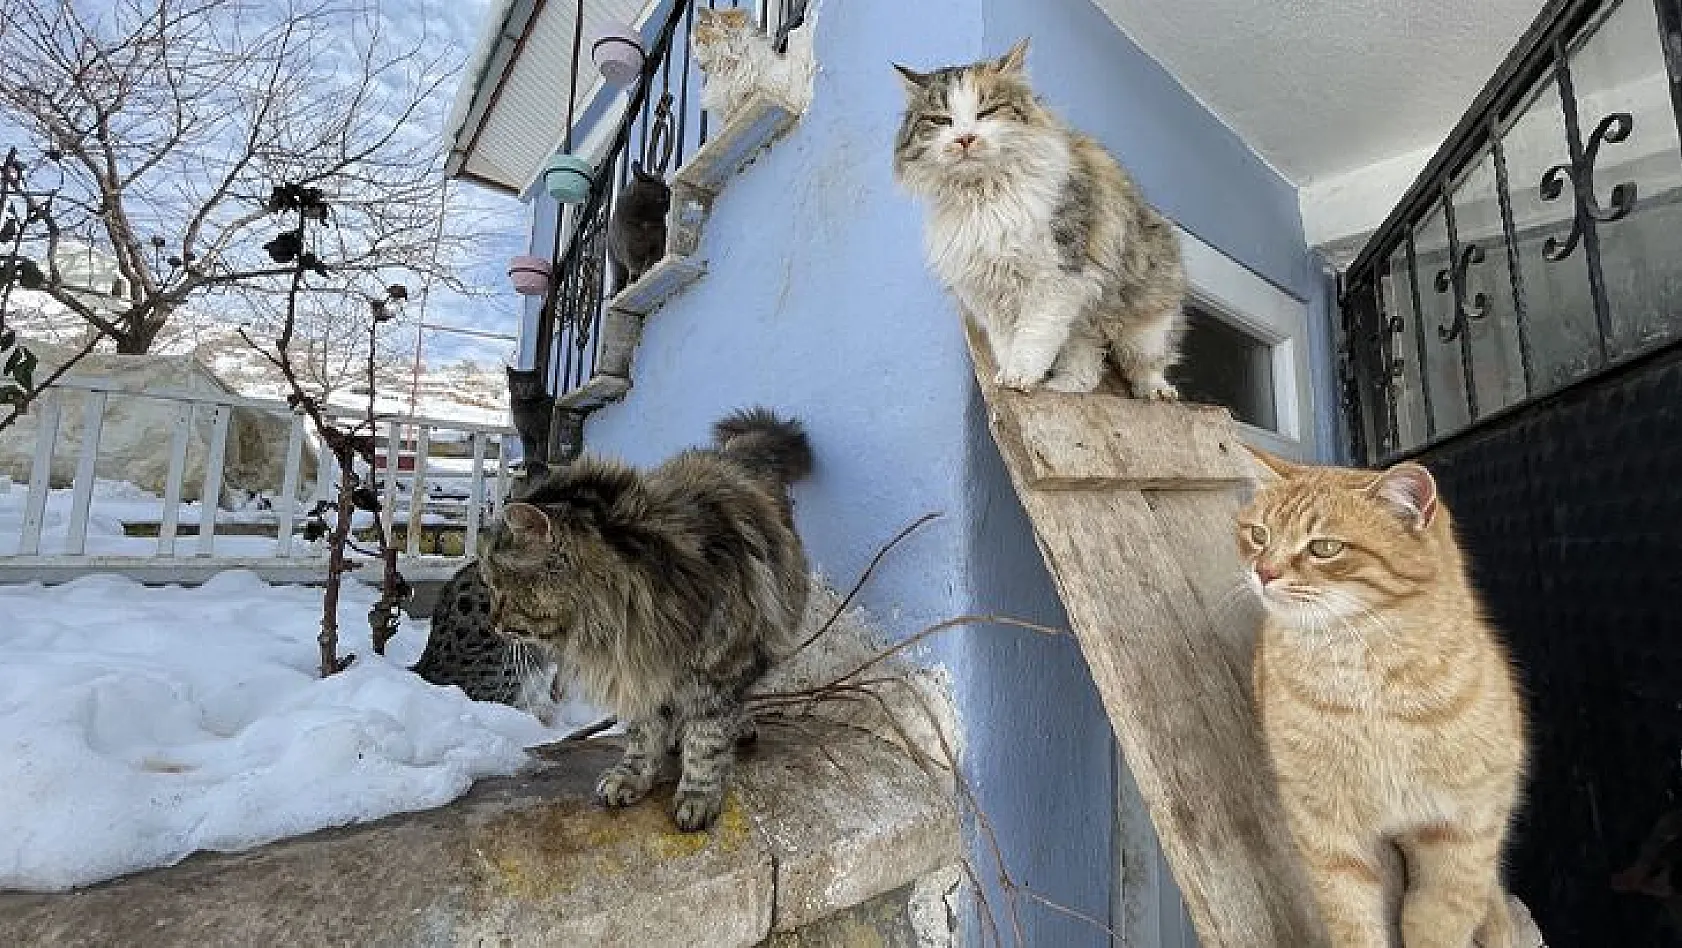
{"x": 530, "y": 860}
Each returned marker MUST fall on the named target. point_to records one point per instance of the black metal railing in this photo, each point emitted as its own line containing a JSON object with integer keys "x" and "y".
{"x": 1541, "y": 246}
{"x": 662, "y": 124}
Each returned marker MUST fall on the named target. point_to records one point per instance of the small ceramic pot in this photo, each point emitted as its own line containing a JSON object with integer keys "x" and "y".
{"x": 568, "y": 178}
{"x": 618, "y": 54}
{"x": 530, "y": 274}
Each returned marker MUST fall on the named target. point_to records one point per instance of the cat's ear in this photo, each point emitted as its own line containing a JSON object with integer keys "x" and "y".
{"x": 1016, "y": 60}
{"x": 915, "y": 82}
{"x": 527, "y": 523}
{"x": 1269, "y": 468}
{"x": 1409, "y": 491}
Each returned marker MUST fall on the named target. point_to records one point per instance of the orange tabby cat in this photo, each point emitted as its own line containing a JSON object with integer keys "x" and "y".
{"x": 1387, "y": 702}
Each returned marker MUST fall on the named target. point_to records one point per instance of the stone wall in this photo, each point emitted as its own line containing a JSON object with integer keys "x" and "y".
{"x": 829, "y": 837}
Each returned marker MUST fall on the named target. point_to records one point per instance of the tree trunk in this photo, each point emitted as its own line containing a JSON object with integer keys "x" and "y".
{"x": 140, "y": 333}
{"x": 331, "y": 663}
{"x": 132, "y": 344}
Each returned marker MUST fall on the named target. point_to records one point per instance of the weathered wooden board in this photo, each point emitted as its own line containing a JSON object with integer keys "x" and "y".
{"x": 1142, "y": 576}
{"x": 1112, "y": 441}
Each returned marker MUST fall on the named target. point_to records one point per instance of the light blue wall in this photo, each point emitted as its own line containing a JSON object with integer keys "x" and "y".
{"x": 1189, "y": 164}
{"x": 818, "y": 302}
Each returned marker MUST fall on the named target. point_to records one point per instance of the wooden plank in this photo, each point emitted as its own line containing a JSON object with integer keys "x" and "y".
{"x": 326, "y": 483}
{"x": 210, "y": 498}
{"x": 1107, "y": 440}
{"x": 476, "y": 497}
{"x": 181, "y": 429}
{"x": 81, "y": 496}
{"x": 286, "y": 511}
{"x": 1201, "y": 532}
{"x": 501, "y": 495}
{"x": 1137, "y": 574}
{"x": 1100, "y": 440}
{"x": 50, "y": 406}
{"x": 417, "y": 491}
{"x": 115, "y": 387}
{"x": 393, "y": 448}
{"x": 191, "y": 570}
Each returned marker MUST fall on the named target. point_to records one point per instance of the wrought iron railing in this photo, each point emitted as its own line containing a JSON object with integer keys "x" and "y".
{"x": 662, "y": 123}
{"x": 1541, "y": 246}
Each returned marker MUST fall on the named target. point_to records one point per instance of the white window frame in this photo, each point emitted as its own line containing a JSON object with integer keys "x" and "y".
{"x": 1245, "y": 301}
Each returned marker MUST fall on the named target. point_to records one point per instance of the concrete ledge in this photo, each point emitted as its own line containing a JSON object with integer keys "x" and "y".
{"x": 760, "y": 121}
{"x": 808, "y": 833}
{"x": 593, "y": 394}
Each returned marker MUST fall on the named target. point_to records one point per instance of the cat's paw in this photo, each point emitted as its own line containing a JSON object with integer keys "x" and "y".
{"x": 1155, "y": 390}
{"x": 696, "y": 810}
{"x": 1073, "y": 384}
{"x": 1016, "y": 379}
{"x": 620, "y": 788}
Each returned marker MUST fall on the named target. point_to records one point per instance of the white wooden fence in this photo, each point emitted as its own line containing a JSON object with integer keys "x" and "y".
{"x": 408, "y": 497}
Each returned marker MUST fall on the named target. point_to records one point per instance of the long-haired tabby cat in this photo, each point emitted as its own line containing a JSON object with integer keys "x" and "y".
{"x": 667, "y": 593}
{"x": 1387, "y": 702}
{"x": 1039, "y": 232}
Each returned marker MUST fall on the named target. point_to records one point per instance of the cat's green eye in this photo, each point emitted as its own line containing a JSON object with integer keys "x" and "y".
{"x": 990, "y": 111}
{"x": 1258, "y": 535}
{"x": 933, "y": 119}
{"x": 1325, "y": 548}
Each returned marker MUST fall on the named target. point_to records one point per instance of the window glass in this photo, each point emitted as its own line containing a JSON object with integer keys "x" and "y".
{"x": 1222, "y": 364}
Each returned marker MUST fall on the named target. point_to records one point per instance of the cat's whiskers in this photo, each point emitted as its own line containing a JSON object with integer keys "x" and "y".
{"x": 1241, "y": 592}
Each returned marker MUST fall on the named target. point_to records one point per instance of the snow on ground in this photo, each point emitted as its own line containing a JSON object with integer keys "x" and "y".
{"x": 139, "y": 724}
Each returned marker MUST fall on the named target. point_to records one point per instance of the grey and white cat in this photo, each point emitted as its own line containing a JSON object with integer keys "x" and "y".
{"x": 464, "y": 650}
{"x": 667, "y": 593}
{"x": 1037, "y": 230}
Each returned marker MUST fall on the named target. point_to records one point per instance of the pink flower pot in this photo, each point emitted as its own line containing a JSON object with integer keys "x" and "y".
{"x": 530, "y": 275}
{"x": 618, "y": 54}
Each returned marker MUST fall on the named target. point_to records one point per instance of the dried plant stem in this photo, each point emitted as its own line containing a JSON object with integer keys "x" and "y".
{"x": 864, "y": 577}
{"x": 337, "y": 566}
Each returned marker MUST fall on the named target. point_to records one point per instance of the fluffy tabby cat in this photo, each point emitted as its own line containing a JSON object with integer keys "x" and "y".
{"x": 1387, "y": 702}
{"x": 667, "y": 593}
{"x": 463, "y": 649}
{"x": 1039, "y": 232}
{"x": 738, "y": 59}
{"x": 636, "y": 233}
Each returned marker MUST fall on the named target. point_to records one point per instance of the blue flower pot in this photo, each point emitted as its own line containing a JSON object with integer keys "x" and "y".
{"x": 567, "y": 178}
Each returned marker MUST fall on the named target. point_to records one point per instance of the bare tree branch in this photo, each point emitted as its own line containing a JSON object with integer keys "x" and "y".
{"x": 177, "y": 118}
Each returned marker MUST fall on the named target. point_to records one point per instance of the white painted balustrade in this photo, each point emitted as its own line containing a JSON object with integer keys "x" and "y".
{"x": 406, "y": 496}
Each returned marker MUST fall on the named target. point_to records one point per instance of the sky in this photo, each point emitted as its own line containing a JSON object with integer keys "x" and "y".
{"x": 445, "y": 30}
{"x": 456, "y": 24}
